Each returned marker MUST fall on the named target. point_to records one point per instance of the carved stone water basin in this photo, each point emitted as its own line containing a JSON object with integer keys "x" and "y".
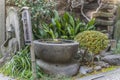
{"x": 57, "y": 51}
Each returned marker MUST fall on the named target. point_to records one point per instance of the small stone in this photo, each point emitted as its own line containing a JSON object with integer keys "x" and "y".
{"x": 103, "y": 54}
{"x": 84, "y": 70}
{"x": 102, "y": 64}
{"x": 97, "y": 58}
{"x": 78, "y": 56}
{"x": 97, "y": 68}
{"x": 112, "y": 59}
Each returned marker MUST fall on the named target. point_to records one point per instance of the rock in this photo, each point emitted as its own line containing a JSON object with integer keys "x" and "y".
{"x": 84, "y": 70}
{"x": 97, "y": 58}
{"x": 104, "y": 22}
{"x": 102, "y": 64}
{"x": 102, "y": 54}
{"x": 78, "y": 56}
{"x": 103, "y": 14}
{"x": 97, "y": 68}
{"x": 112, "y": 59}
{"x": 70, "y": 69}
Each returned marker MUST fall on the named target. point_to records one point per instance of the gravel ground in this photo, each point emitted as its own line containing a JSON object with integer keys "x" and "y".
{"x": 2, "y": 77}
{"x": 111, "y": 75}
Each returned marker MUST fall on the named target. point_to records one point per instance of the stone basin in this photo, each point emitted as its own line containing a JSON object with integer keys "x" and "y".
{"x": 60, "y": 51}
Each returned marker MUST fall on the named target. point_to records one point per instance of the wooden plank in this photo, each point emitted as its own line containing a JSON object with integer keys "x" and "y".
{"x": 2, "y": 22}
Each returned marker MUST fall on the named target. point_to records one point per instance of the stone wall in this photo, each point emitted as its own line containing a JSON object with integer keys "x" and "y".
{"x": 2, "y": 22}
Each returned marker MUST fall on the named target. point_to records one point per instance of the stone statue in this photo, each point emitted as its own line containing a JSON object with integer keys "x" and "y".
{"x": 10, "y": 46}
{"x": 14, "y": 38}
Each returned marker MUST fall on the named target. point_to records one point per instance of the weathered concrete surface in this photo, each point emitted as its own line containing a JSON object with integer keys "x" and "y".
{"x": 112, "y": 75}
{"x": 2, "y": 77}
{"x": 2, "y": 21}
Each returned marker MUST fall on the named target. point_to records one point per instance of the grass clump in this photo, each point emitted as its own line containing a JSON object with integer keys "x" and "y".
{"x": 19, "y": 66}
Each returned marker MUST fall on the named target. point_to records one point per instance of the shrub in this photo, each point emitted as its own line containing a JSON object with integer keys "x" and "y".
{"x": 93, "y": 41}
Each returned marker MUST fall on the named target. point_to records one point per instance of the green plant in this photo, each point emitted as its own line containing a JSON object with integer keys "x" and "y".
{"x": 41, "y": 11}
{"x": 117, "y": 49}
{"x": 19, "y": 65}
{"x": 66, "y": 27}
{"x": 93, "y": 41}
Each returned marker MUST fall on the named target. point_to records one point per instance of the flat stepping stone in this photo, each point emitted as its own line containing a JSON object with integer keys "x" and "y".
{"x": 112, "y": 59}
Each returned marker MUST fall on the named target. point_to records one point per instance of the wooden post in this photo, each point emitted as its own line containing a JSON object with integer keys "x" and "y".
{"x": 28, "y": 37}
{"x": 2, "y": 22}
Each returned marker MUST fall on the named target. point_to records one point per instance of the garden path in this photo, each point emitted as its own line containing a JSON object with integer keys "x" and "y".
{"x": 111, "y": 75}
{"x": 2, "y": 77}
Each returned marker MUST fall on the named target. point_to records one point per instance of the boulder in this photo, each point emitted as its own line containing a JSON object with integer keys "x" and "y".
{"x": 112, "y": 59}
{"x": 103, "y": 54}
{"x": 102, "y": 64}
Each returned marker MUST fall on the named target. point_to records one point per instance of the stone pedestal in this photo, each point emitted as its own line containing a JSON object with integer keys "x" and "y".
{"x": 2, "y": 22}
{"x": 56, "y": 57}
{"x": 69, "y": 69}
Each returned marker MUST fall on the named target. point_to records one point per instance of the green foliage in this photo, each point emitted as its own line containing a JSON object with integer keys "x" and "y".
{"x": 41, "y": 11}
{"x": 65, "y": 26}
{"x": 117, "y": 31}
{"x": 19, "y": 65}
{"x": 94, "y": 41}
{"x": 117, "y": 49}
